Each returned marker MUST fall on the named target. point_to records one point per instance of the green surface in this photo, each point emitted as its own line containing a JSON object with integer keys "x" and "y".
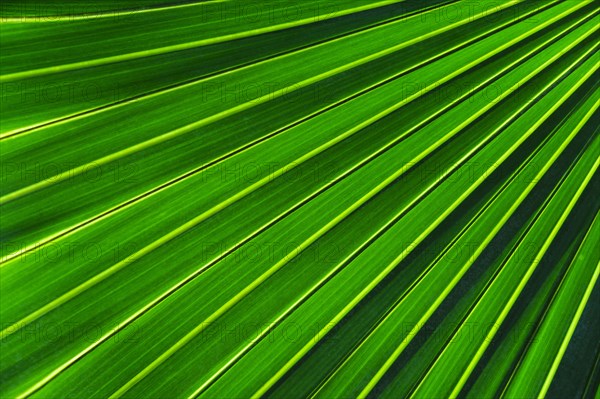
{"x": 235, "y": 199}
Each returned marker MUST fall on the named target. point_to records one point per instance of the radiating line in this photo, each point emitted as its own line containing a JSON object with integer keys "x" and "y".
{"x": 570, "y": 332}
{"x": 525, "y": 278}
{"x": 187, "y": 83}
{"x": 482, "y": 143}
{"x": 523, "y": 351}
{"x": 387, "y": 270}
{"x": 230, "y": 361}
{"x": 268, "y": 97}
{"x": 243, "y": 193}
{"x": 522, "y": 237}
{"x": 186, "y": 46}
{"x": 394, "y": 219}
{"x": 220, "y": 257}
{"x": 126, "y": 204}
{"x": 103, "y": 14}
{"x": 485, "y": 242}
{"x": 242, "y": 294}
{"x": 459, "y": 236}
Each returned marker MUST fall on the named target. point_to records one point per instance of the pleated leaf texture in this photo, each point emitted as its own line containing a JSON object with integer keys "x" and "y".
{"x": 298, "y": 199}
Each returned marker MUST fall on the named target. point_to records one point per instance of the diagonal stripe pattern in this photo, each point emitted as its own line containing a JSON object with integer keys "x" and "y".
{"x": 240, "y": 199}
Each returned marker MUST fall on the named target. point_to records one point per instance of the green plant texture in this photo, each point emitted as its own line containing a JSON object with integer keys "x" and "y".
{"x": 231, "y": 199}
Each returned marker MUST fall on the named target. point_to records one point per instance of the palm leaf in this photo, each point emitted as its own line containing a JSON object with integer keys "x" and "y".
{"x": 232, "y": 199}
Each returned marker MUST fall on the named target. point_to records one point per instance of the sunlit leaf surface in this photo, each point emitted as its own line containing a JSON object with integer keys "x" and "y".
{"x": 294, "y": 199}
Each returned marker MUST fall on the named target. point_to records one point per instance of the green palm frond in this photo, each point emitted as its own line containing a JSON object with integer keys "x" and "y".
{"x": 236, "y": 199}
